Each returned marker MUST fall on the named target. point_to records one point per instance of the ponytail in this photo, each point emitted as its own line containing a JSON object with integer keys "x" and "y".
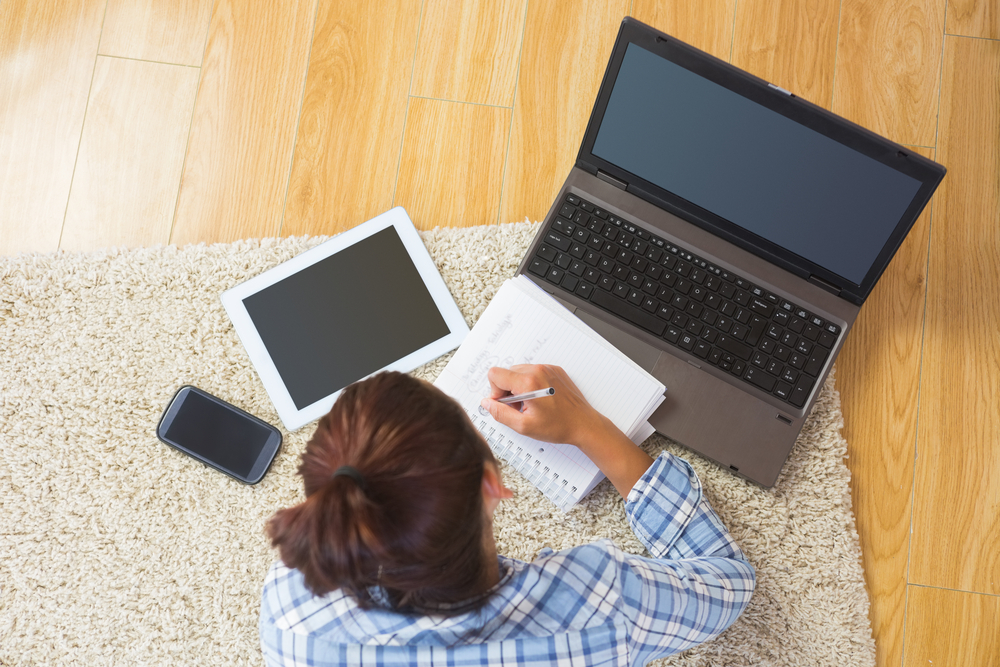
{"x": 393, "y": 511}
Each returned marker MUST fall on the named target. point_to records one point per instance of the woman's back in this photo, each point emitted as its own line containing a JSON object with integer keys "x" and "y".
{"x": 590, "y": 605}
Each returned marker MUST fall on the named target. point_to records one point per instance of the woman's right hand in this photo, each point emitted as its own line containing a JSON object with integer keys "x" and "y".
{"x": 566, "y": 416}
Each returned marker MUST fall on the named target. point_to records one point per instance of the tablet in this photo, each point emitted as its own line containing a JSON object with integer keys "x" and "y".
{"x": 368, "y": 300}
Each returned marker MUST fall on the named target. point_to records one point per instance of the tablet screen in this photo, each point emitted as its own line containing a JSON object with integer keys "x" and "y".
{"x": 345, "y": 317}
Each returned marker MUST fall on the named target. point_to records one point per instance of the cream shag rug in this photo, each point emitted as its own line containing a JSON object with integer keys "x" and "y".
{"x": 115, "y": 549}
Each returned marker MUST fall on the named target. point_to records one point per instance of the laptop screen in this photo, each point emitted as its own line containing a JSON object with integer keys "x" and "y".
{"x": 739, "y": 160}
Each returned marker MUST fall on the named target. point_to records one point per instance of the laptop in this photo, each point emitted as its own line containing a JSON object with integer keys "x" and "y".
{"x": 724, "y": 234}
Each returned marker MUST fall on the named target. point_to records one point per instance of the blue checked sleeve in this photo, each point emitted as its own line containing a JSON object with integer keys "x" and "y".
{"x": 697, "y": 582}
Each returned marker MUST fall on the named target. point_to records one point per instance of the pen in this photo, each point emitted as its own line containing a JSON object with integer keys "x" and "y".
{"x": 527, "y": 396}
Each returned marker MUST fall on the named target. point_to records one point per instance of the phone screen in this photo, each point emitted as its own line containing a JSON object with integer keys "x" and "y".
{"x": 217, "y": 433}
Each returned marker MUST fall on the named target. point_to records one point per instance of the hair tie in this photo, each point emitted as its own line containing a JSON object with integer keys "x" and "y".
{"x": 353, "y": 473}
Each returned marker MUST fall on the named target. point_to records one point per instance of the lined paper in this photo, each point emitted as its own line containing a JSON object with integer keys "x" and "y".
{"x": 524, "y": 325}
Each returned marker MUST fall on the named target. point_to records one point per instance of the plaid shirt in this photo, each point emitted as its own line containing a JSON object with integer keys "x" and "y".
{"x": 589, "y": 605}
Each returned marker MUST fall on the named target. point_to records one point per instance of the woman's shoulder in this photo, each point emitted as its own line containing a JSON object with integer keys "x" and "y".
{"x": 559, "y": 591}
{"x": 287, "y": 602}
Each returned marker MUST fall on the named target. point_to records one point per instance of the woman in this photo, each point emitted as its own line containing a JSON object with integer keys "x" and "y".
{"x": 391, "y": 558}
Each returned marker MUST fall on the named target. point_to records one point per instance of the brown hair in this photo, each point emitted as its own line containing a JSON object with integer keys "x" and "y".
{"x": 409, "y": 533}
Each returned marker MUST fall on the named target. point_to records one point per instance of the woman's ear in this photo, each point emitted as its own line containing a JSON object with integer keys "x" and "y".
{"x": 493, "y": 488}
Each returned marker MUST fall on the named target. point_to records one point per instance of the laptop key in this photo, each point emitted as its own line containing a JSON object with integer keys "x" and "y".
{"x": 636, "y": 316}
{"x": 801, "y": 391}
{"x": 733, "y": 346}
{"x": 538, "y": 267}
{"x": 760, "y": 378}
{"x": 557, "y": 240}
{"x": 783, "y": 390}
{"x": 816, "y": 361}
{"x": 761, "y": 307}
{"x": 564, "y": 227}
{"x": 757, "y": 326}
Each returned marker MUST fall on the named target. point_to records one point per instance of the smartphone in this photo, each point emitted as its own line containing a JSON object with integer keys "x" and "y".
{"x": 219, "y": 434}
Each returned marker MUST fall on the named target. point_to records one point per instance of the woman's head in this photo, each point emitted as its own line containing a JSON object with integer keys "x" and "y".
{"x": 413, "y": 521}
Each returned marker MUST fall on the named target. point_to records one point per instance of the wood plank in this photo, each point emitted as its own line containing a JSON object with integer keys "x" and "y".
{"x": 888, "y": 64}
{"x": 790, "y": 43}
{"x": 974, "y": 18}
{"x": 452, "y": 163}
{"x": 468, "y": 50}
{"x": 557, "y": 84}
{"x": 878, "y": 375}
{"x": 946, "y": 628}
{"x": 240, "y": 149}
{"x": 704, "y": 24}
{"x": 47, "y": 54}
{"x": 353, "y": 112}
{"x": 956, "y": 513}
{"x": 165, "y": 31}
{"x": 131, "y": 154}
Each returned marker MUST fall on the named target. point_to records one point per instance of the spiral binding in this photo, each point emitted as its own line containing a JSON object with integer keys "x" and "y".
{"x": 559, "y": 490}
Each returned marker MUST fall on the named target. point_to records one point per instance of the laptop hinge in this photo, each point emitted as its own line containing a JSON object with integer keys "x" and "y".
{"x": 829, "y": 287}
{"x": 611, "y": 179}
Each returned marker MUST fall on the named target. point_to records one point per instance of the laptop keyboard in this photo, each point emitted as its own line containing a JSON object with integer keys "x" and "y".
{"x": 719, "y": 317}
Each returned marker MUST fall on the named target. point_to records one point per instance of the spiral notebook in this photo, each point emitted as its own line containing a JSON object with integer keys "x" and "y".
{"x": 524, "y": 325}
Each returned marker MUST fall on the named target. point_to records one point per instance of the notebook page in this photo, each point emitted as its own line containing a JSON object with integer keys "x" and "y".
{"x": 519, "y": 328}
{"x": 640, "y": 429}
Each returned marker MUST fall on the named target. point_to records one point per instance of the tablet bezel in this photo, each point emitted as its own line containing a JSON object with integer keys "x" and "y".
{"x": 292, "y": 417}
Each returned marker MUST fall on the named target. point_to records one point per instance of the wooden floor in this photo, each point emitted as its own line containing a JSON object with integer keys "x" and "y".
{"x": 176, "y": 121}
